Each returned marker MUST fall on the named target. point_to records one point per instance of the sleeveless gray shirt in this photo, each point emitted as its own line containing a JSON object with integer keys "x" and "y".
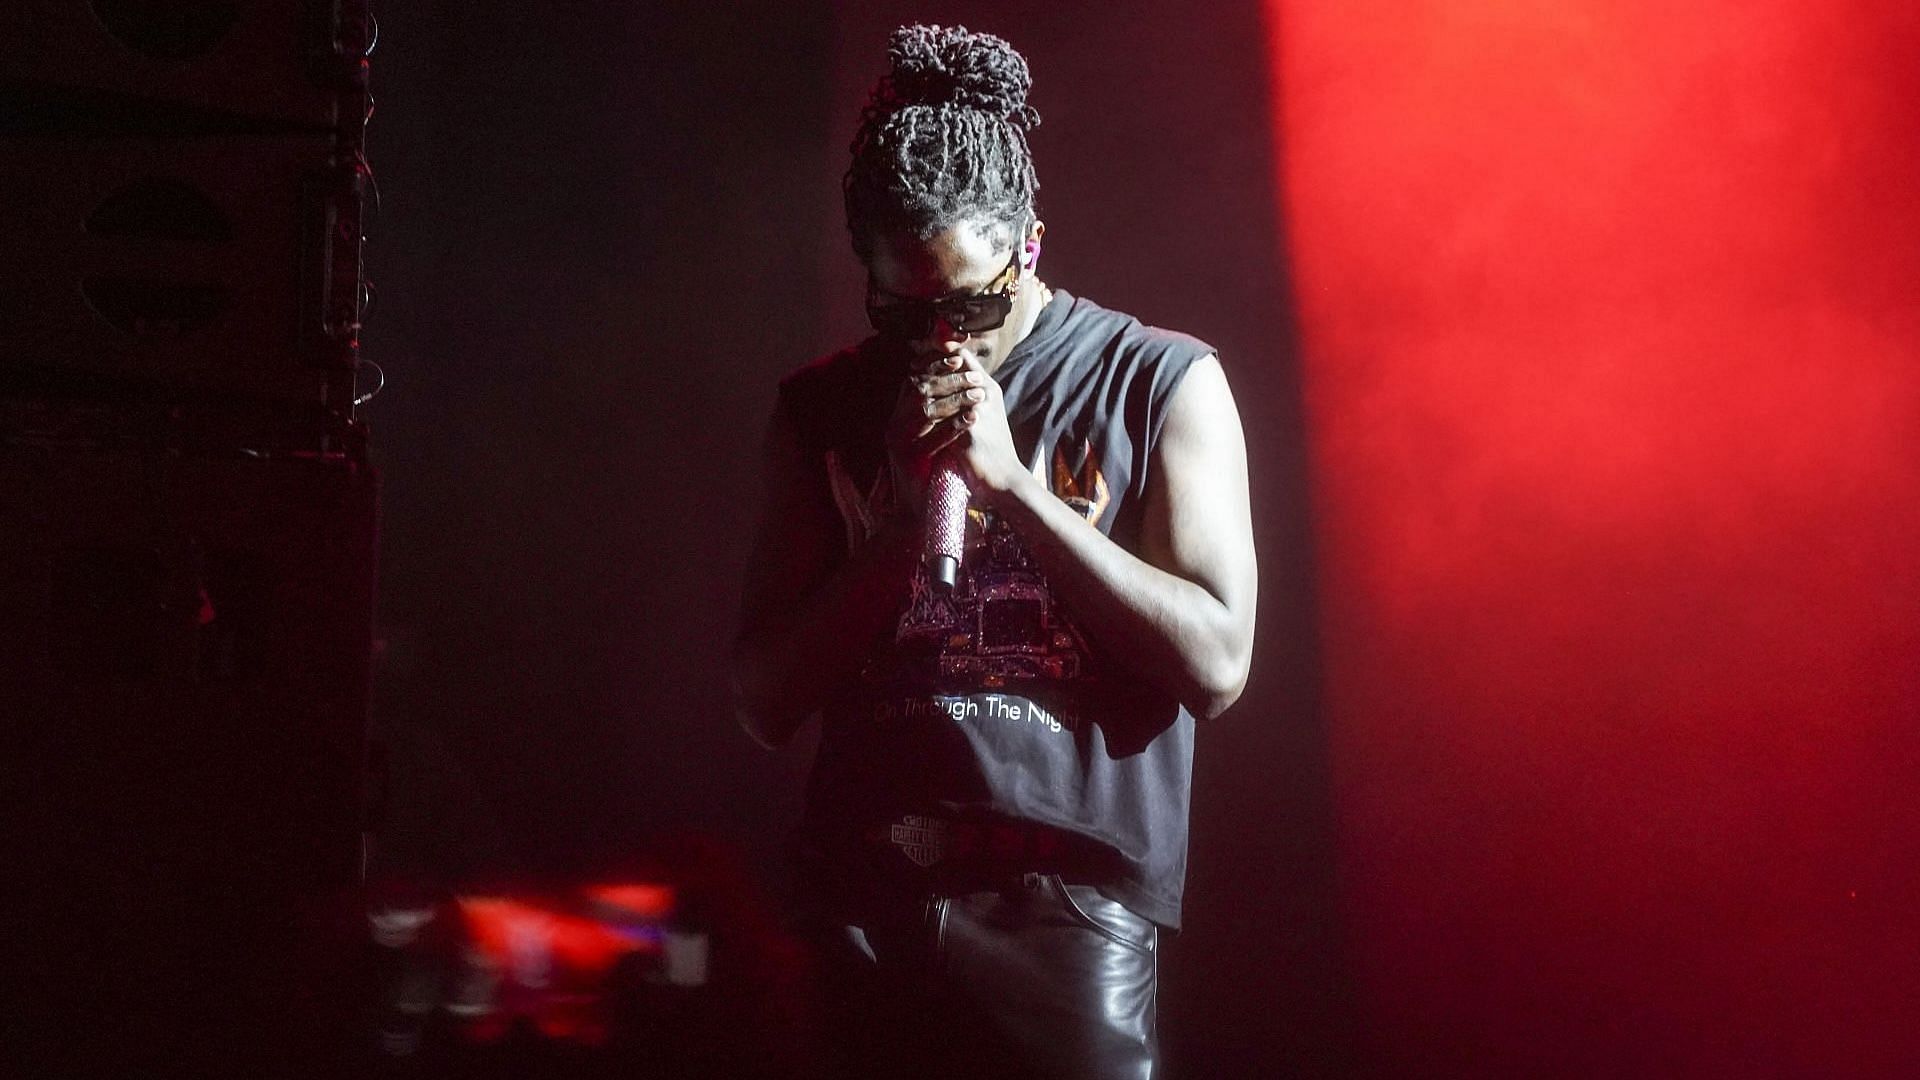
{"x": 988, "y": 704}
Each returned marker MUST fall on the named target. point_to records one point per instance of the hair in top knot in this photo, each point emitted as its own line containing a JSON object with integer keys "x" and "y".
{"x": 935, "y": 65}
{"x": 943, "y": 140}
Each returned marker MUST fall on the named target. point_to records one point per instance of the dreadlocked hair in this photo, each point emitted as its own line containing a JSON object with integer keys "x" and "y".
{"x": 943, "y": 139}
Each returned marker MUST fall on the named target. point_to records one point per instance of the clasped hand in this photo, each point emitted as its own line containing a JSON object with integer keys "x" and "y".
{"x": 951, "y": 405}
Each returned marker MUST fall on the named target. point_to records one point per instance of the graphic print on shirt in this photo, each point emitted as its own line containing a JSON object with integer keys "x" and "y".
{"x": 1000, "y": 623}
{"x": 1080, "y": 483}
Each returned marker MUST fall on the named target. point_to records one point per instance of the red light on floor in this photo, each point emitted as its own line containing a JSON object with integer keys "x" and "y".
{"x": 633, "y": 901}
{"x": 549, "y": 958}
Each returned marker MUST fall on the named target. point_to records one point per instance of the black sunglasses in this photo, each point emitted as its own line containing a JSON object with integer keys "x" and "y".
{"x": 906, "y": 320}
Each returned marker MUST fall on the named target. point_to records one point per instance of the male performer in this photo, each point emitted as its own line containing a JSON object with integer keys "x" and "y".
{"x": 996, "y": 824}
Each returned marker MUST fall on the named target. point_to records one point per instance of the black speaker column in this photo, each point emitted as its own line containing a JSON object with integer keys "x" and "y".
{"x": 187, "y": 533}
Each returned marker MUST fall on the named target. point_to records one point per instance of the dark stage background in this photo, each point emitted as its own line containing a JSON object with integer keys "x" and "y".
{"x": 1581, "y": 734}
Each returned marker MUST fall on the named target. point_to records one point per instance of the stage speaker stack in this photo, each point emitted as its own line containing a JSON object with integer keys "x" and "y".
{"x": 187, "y": 533}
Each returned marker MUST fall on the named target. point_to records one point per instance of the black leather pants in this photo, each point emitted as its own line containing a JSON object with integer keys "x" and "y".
{"x": 1031, "y": 978}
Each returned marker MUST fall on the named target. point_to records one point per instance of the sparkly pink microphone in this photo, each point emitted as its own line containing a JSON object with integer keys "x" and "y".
{"x": 946, "y": 523}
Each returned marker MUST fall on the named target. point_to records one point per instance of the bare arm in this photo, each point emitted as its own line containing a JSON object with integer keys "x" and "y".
{"x": 804, "y": 619}
{"x": 810, "y": 612}
{"x": 1181, "y": 611}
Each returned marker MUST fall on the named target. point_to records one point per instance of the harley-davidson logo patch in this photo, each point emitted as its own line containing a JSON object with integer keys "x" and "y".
{"x": 922, "y": 839}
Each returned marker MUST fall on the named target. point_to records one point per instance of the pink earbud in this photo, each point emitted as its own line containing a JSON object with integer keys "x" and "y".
{"x": 1033, "y": 253}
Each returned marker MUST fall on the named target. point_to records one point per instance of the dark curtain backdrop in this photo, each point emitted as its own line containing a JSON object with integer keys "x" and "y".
{"x": 588, "y": 263}
{"x": 607, "y": 230}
